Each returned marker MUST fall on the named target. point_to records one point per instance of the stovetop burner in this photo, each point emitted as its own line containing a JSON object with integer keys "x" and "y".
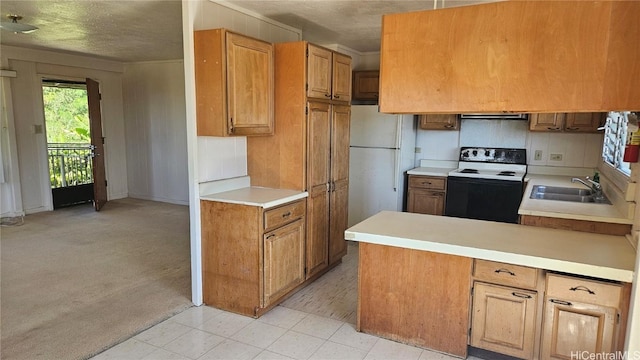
{"x": 492, "y": 164}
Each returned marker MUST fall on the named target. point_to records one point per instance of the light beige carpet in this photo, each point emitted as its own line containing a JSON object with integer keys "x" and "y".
{"x": 75, "y": 282}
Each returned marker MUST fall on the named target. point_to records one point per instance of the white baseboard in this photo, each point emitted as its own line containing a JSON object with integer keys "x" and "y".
{"x": 159, "y": 198}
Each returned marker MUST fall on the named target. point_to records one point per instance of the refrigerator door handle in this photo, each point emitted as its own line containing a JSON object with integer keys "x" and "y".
{"x": 397, "y": 153}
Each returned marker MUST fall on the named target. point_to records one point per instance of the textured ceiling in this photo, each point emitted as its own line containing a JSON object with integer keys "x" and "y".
{"x": 355, "y": 24}
{"x": 126, "y": 31}
{"x": 145, "y": 30}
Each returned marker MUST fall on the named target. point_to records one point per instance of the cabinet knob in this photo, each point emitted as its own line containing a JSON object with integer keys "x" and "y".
{"x": 449, "y": 126}
{"x": 287, "y": 214}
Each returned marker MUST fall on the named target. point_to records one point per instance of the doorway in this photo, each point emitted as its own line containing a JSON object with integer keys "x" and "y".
{"x": 74, "y": 142}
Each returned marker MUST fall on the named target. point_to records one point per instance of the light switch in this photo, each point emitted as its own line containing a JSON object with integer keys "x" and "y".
{"x": 36, "y": 129}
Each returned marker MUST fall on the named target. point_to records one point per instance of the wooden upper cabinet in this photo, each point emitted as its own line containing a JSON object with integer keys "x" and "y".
{"x": 365, "y": 85}
{"x": 508, "y": 56}
{"x": 439, "y": 122}
{"x": 571, "y": 122}
{"x": 584, "y": 122}
{"x": 328, "y": 74}
{"x": 341, "y": 77}
{"x": 234, "y": 84}
{"x": 546, "y": 122}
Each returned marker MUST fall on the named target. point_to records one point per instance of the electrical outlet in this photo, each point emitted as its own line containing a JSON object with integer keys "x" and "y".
{"x": 555, "y": 157}
{"x": 418, "y": 150}
{"x": 538, "y": 155}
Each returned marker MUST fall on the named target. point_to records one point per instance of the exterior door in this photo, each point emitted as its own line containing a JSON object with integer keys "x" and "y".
{"x": 97, "y": 143}
{"x": 338, "y": 220}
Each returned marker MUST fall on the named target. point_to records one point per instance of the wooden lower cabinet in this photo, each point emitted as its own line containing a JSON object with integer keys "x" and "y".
{"x": 571, "y": 328}
{"x": 576, "y": 225}
{"x": 581, "y": 315}
{"x": 426, "y": 194}
{"x": 283, "y": 260}
{"x": 252, "y": 257}
{"x": 576, "y": 315}
{"x": 414, "y": 297}
{"x": 504, "y": 319}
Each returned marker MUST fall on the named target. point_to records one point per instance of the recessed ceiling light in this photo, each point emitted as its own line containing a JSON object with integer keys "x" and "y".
{"x": 16, "y": 27}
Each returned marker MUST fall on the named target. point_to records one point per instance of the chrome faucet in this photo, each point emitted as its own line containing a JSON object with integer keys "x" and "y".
{"x": 594, "y": 186}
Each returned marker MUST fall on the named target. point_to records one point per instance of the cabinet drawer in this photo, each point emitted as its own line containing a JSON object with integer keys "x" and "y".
{"x": 583, "y": 290}
{"x": 505, "y": 274}
{"x": 274, "y": 218}
{"x": 427, "y": 182}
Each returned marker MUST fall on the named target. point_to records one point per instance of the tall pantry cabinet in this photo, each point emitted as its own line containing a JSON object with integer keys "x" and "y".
{"x": 310, "y": 148}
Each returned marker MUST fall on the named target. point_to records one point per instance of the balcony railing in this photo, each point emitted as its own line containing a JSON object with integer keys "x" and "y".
{"x": 70, "y": 164}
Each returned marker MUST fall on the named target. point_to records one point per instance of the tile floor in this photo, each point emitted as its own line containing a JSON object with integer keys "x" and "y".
{"x": 207, "y": 333}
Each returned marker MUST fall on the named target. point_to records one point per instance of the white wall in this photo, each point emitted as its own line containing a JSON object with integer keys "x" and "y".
{"x": 32, "y": 184}
{"x": 155, "y": 131}
{"x": 578, "y": 150}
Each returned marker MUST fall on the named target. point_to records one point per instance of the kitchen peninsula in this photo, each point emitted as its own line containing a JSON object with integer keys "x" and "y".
{"x": 416, "y": 272}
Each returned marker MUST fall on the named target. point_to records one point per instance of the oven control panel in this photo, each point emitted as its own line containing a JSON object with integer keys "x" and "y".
{"x": 494, "y": 155}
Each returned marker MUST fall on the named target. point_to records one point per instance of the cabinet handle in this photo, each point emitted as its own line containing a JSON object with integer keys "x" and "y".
{"x": 270, "y": 236}
{"x": 561, "y": 302}
{"x": 505, "y": 271}
{"x": 426, "y": 183}
{"x": 231, "y": 125}
{"x": 449, "y": 126}
{"x": 336, "y": 96}
{"x": 552, "y": 128}
{"x": 287, "y": 214}
{"x": 327, "y": 95}
{"x": 583, "y": 288}
{"x": 571, "y": 128}
{"x": 524, "y": 296}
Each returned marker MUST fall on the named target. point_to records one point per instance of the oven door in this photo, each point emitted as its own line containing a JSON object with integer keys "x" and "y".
{"x": 483, "y": 199}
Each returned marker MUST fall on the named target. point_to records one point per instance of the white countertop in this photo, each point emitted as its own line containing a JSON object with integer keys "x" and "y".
{"x": 257, "y": 196}
{"x": 602, "y": 256}
{"x": 434, "y": 167}
{"x": 566, "y": 209}
{"x": 430, "y": 171}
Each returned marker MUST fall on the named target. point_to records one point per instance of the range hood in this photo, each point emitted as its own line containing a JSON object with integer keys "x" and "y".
{"x": 494, "y": 116}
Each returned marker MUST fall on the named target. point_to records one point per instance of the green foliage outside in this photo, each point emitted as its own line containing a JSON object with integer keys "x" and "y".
{"x": 67, "y": 115}
{"x": 67, "y": 120}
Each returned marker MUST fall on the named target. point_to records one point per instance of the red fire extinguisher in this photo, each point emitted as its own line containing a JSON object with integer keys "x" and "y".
{"x": 632, "y": 148}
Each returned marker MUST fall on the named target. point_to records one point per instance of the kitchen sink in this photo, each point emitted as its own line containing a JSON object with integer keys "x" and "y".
{"x": 578, "y": 195}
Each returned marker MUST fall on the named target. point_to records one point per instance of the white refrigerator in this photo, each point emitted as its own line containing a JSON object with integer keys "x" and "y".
{"x": 382, "y": 149}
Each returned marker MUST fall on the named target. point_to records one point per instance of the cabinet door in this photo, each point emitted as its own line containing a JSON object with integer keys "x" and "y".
{"x": 319, "y": 76}
{"x": 439, "y": 122}
{"x": 583, "y": 122}
{"x": 425, "y": 201}
{"x": 546, "y": 122}
{"x": 365, "y": 85}
{"x": 283, "y": 260}
{"x": 250, "y": 86}
{"x": 504, "y": 320}
{"x": 340, "y": 120}
{"x": 318, "y": 162}
{"x": 341, "y": 77}
{"x": 570, "y": 327}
